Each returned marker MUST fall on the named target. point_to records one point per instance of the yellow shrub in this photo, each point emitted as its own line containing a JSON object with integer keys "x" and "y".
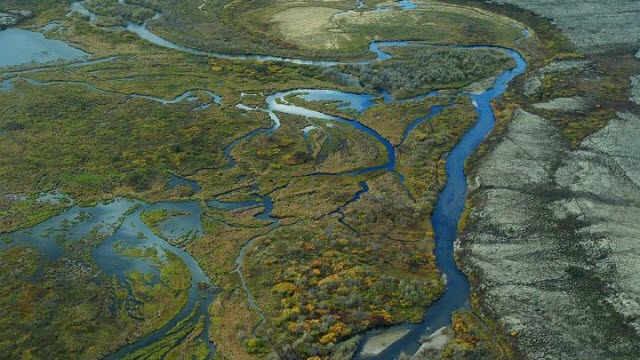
{"x": 284, "y": 288}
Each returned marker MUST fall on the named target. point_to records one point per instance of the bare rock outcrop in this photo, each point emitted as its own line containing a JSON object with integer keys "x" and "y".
{"x": 554, "y": 239}
{"x": 567, "y": 104}
{"x": 635, "y": 89}
{"x": 593, "y": 25}
{"x": 14, "y": 17}
{"x": 533, "y": 85}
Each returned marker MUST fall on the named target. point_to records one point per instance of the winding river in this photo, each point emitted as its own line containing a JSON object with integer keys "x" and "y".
{"x": 446, "y": 216}
{"x": 120, "y": 219}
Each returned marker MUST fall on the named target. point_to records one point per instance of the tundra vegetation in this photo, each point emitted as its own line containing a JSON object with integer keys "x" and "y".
{"x": 339, "y": 253}
{"x": 406, "y": 75}
{"x": 112, "y": 13}
{"x": 68, "y": 307}
{"x": 315, "y": 28}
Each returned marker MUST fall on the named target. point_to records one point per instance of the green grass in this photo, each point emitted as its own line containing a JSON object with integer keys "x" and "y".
{"x": 60, "y": 308}
{"x": 18, "y": 213}
{"x": 249, "y": 27}
{"x": 154, "y": 219}
{"x": 391, "y": 119}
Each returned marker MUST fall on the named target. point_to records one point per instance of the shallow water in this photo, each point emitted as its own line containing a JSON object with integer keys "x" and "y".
{"x": 131, "y": 228}
{"x": 407, "y": 5}
{"x": 18, "y": 47}
{"x": 278, "y": 104}
{"x": 445, "y": 220}
{"x": 175, "y": 180}
{"x": 107, "y": 217}
{"x": 345, "y": 101}
{"x": 54, "y": 25}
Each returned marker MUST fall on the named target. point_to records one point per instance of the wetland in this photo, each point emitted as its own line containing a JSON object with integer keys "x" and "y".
{"x": 244, "y": 180}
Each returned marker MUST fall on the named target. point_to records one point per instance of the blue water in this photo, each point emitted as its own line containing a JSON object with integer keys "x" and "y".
{"x": 18, "y": 47}
{"x": 346, "y": 101}
{"x": 435, "y": 111}
{"x": 376, "y": 46}
{"x": 234, "y": 205}
{"x": 277, "y": 104}
{"x": 403, "y": 5}
{"x": 446, "y": 216}
{"x": 177, "y": 180}
{"x": 364, "y": 188}
{"x": 123, "y": 227}
{"x": 255, "y": 201}
{"x": 198, "y": 300}
{"x": 407, "y": 5}
{"x": 72, "y": 224}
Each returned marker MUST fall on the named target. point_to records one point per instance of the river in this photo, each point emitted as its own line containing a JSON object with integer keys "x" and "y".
{"x": 109, "y": 216}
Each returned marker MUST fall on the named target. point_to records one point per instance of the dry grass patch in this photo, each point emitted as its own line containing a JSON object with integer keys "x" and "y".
{"x": 311, "y": 27}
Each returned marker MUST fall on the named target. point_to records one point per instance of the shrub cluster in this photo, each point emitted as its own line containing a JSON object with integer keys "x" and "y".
{"x": 417, "y": 70}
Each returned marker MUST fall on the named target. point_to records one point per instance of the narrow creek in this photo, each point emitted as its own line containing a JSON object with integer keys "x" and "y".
{"x": 445, "y": 217}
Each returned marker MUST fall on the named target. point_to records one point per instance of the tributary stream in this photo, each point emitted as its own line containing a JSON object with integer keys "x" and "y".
{"x": 125, "y": 227}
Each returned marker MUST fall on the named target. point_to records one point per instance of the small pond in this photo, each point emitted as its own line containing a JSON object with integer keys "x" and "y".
{"x": 19, "y": 47}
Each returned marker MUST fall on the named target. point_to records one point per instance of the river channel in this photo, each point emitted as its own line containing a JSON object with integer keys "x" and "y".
{"x": 120, "y": 219}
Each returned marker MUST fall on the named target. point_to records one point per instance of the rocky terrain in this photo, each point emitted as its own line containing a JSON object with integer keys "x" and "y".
{"x": 552, "y": 244}
{"x": 593, "y": 25}
{"x": 13, "y": 17}
{"x": 635, "y": 86}
{"x": 553, "y": 240}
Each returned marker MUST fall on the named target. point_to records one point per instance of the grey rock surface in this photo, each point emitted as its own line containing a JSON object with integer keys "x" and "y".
{"x": 7, "y": 20}
{"x": 635, "y": 89}
{"x": 14, "y": 17}
{"x": 593, "y": 25}
{"x": 576, "y": 103}
{"x": 533, "y": 84}
{"x": 554, "y": 239}
{"x": 481, "y": 86}
{"x": 433, "y": 345}
{"x": 22, "y": 13}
